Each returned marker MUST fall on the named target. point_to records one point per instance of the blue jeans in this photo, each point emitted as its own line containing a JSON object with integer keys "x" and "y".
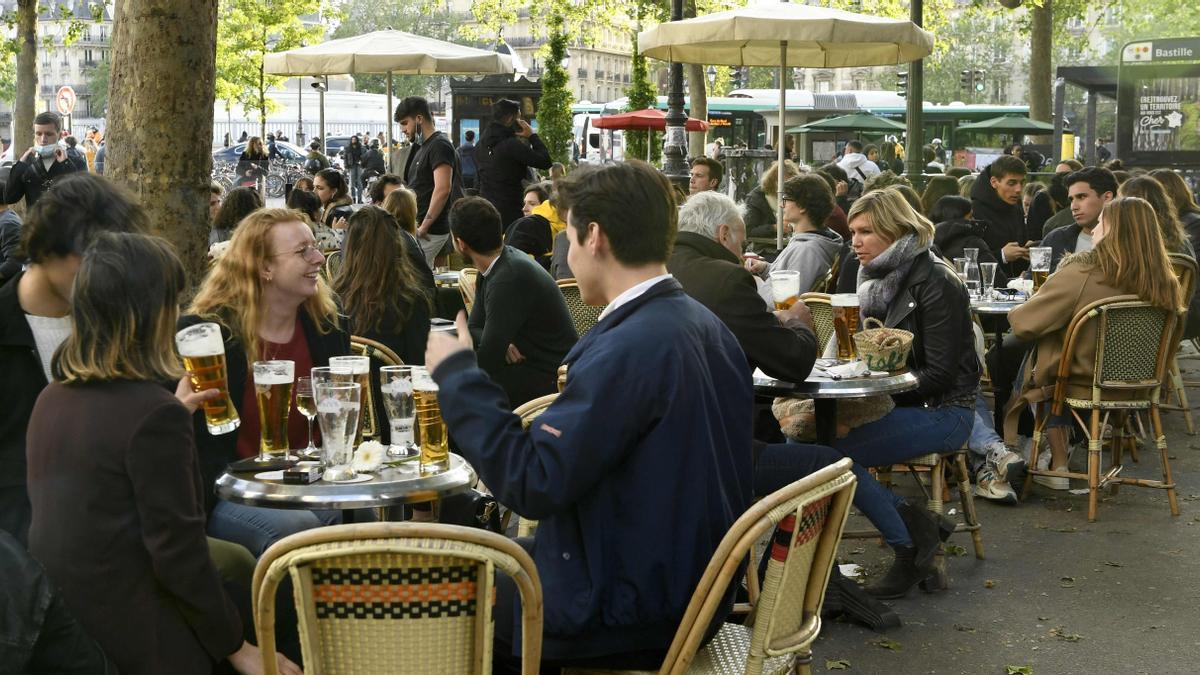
{"x": 983, "y": 432}
{"x": 907, "y": 432}
{"x": 780, "y": 464}
{"x": 356, "y": 185}
{"x": 256, "y": 527}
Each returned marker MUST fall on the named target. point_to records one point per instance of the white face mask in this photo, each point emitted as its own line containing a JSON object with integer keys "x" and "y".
{"x": 45, "y": 151}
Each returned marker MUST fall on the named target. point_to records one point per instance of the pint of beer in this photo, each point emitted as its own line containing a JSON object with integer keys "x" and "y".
{"x": 845, "y": 324}
{"x": 1039, "y": 264}
{"x": 359, "y": 370}
{"x": 435, "y": 449}
{"x": 203, "y": 354}
{"x": 273, "y": 390}
{"x": 785, "y": 288}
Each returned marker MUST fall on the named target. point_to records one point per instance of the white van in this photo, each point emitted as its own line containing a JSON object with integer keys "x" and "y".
{"x": 596, "y": 146}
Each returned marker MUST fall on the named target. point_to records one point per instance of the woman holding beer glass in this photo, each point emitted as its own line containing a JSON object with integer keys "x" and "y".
{"x": 118, "y": 517}
{"x": 267, "y": 294}
{"x": 905, "y": 286}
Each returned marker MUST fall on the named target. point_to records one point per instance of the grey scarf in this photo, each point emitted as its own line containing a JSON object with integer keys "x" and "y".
{"x": 879, "y": 280}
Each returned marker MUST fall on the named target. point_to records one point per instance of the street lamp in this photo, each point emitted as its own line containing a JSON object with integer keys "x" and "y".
{"x": 675, "y": 137}
{"x": 321, "y": 87}
{"x": 712, "y": 75}
{"x": 300, "y": 111}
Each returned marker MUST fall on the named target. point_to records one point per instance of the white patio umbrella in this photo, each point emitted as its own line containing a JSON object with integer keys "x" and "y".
{"x": 786, "y": 34}
{"x": 388, "y": 51}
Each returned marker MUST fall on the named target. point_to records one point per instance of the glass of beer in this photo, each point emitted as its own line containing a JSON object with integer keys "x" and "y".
{"x": 203, "y": 353}
{"x": 435, "y": 449}
{"x": 306, "y": 403}
{"x": 785, "y": 288}
{"x": 396, "y": 385}
{"x": 273, "y": 389}
{"x": 359, "y": 370}
{"x": 845, "y": 324}
{"x": 338, "y": 407}
{"x": 1039, "y": 264}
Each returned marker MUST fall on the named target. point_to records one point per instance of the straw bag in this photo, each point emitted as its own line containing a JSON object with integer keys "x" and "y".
{"x": 883, "y": 348}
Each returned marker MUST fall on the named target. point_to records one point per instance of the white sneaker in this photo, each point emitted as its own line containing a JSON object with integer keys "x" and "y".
{"x": 989, "y": 486}
{"x": 1007, "y": 465}
{"x": 1053, "y": 482}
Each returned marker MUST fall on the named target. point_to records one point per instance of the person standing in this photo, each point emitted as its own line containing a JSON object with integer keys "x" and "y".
{"x": 466, "y": 155}
{"x": 507, "y": 149}
{"x": 41, "y": 165}
{"x": 432, "y": 173}
{"x": 353, "y": 154}
{"x": 252, "y": 165}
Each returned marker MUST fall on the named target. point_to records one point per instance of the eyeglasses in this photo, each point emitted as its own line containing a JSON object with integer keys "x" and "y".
{"x": 309, "y": 252}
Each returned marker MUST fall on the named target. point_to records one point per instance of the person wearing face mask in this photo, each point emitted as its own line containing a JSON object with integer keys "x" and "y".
{"x": 432, "y": 172}
{"x": 506, "y": 151}
{"x": 41, "y": 165}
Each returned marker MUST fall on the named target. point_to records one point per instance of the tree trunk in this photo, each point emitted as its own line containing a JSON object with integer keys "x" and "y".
{"x": 1040, "y": 40}
{"x": 698, "y": 104}
{"x": 27, "y": 78}
{"x": 161, "y": 116}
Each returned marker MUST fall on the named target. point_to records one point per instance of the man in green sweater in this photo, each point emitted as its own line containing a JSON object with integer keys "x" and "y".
{"x": 519, "y": 321}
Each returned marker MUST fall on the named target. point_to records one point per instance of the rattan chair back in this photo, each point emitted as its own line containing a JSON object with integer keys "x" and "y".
{"x": 1133, "y": 340}
{"x": 527, "y": 412}
{"x": 333, "y": 263}
{"x": 583, "y": 315}
{"x": 380, "y": 355}
{"x": 467, "y": 278}
{"x": 819, "y": 305}
{"x": 396, "y": 598}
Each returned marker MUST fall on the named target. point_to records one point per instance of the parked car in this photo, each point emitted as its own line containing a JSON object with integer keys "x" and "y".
{"x": 231, "y": 154}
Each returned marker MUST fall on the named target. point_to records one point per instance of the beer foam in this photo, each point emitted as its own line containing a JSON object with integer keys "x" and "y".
{"x": 200, "y": 341}
{"x": 269, "y": 379}
{"x": 355, "y": 365}
{"x": 844, "y": 300}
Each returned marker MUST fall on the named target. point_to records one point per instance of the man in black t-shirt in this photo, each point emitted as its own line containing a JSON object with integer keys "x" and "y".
{"x": 432, "y": 172}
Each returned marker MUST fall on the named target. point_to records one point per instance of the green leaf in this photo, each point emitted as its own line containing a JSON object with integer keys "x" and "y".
{"x": 955, "y": 550}
{"x": 839, "y": 664}
{"x": 1018, "y": 670}
{"x": 888, "y": 644}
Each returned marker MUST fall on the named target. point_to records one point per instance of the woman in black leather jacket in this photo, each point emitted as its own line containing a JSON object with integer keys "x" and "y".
{"x": 901, "y": 283}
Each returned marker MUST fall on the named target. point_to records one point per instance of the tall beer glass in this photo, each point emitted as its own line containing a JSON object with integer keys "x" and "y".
{"x": 435, "y": 449}
{"x": 396, "y": 385}
{"x": 1039, "y": 264}
{"x": 203, "y": 354}
{"x": 338, "y": 408}
{"x": 273, "y": 389}
{"x": 785, "y": 288}
{"x": 359, "y": 369}
{"x": 845, "y": 324}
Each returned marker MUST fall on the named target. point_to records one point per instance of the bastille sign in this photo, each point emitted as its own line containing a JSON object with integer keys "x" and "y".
{"x": 1158, "y": 103}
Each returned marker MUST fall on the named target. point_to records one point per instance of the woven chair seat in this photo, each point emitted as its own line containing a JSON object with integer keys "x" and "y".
{"x": 1107, "y": 405}
{"x": 925, "y": 460}
{"x": 726, "y": 654}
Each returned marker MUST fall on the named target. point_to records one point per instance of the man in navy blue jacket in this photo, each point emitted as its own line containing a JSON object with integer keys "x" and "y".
{"x": 642, "y": 463}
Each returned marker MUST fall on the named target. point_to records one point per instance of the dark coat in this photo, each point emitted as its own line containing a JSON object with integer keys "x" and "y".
{"x": 373, "y": 162}
{"x": 118, "y": 522}
{"x": 30, "y": 179}
{"x": 23, "y": 381}
{"x": 1062, "y": 241}
{"x": 653, "y": 431}
{"x": 933, "y": 305}
{"x": 503, "y": 161}
{"x": 531, "y": 234}
{"x": 1005, "y": 222}
{"x": 952, "y": 236}
{"x": 759, "y": 216}
{"x": 216, "y": 452}
{"x": 10, "y": 243}
{"x": 76, "y": 157}
{"x": 353, "y": 155}
{"x": 412, "y": 249}
{"x": 250, "y": 168}
{"x": 1191, "y": 225}
{"x": 714, "y": 276}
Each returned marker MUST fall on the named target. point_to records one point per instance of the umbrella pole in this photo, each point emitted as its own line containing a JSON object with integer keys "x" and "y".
{"x": 388, "y": 117}
{"x": 779, "y": 143}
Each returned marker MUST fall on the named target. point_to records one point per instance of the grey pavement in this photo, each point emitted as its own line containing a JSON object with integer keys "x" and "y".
{"x": 1055, "y": 594}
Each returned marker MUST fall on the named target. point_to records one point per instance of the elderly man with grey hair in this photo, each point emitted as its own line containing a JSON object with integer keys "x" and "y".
{"x": 707, "y": 262}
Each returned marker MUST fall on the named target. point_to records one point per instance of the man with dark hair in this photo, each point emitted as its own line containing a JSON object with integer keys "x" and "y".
{"x": 519, "y": 321}
{"x": 858, "y": 169}
{"x": 383, "y": 186}
{"x": 73, "y": 154}
{"x": 996, "y": 200}
{"x": 1088, "y": 190}
{"x": 507, "y": 149}
{"x": 706, "y": 175}
{"x": 34, "y": 313}
{"x": 42, "y": 164}
{"x": 466, "y": 156}
{"x": 655, "y": 411}
{"x": 1049, "y": 209}
{"x": 373, "y": 162}
{"x": 432, "y": 173}
{"x": 808, "y": 203}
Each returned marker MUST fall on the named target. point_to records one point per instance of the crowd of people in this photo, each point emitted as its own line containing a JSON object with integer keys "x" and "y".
{"x": 111, "y": 521}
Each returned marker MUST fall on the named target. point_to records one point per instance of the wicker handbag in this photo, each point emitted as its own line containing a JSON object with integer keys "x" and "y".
{"x": 883, "y": 348}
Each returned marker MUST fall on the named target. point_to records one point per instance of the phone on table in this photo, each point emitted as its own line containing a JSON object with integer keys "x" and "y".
{"x": 443, "y": 326}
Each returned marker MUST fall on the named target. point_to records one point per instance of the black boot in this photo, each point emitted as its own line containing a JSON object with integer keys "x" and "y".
{"x": 845, "y": 598}
{"x": 903, "y": 575}
{"x": 927, "y": 529}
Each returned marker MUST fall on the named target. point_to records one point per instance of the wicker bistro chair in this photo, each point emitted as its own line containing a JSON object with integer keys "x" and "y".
{"x": 333, "y": 263}
{"x": 1185, "y": 270}
{"x": 396, "y": 598}
{"x": 583, "y": 315}
{"x": 527, "y": 412}
{"x": 807, "y": 518}
{"x": 822, "y": 314}
{"x": 380, "y": 355}
{"x": 1134, "y": 343}
{"x": 467, "y": 278}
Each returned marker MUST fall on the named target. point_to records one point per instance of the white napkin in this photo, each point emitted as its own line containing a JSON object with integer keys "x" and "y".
{"x": 845, "y": 371}
{"x": 1023, "y": 285}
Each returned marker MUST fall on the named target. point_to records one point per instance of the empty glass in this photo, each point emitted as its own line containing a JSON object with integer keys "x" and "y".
{"x": 396, "y": 385}
{"x": 338, "y": 406}
{"x": 988, "y": 272}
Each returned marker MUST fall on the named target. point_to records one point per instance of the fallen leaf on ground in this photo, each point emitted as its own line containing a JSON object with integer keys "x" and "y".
{"x": 1018, "y": 670}
{"x": 839, "y": 664}
{"x": 1061, "y": 634}
{"x": 955, "y": 550}
{"x": 963, "y": 629}
{"x": 1113, "y": 564}
{"x": 989, "y": 584}
{"x": 888, "y": 644}
{"x": 1067, "y": 582}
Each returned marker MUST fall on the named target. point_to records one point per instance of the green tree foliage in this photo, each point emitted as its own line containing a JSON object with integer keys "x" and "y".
{"x": 365, "y": 16}
{"x": 247, "y": 31}
{"x": 554, "y": 108}
{"x": 97, "y": 85}
{"x": 641, "y": 93}
{"x": 70, "y": 26}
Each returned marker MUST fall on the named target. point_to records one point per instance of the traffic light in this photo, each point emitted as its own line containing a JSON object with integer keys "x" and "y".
{"x": 965, "y": 79}
{"x": 738, "y": 77}
{"x": 902, "y": 83}
{"x": 979, "y": 83}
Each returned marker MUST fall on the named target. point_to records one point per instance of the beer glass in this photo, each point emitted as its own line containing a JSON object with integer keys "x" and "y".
{"x": 203, "y": 353}
{"x": 338, "y": 407}
{"x": 396, "y": 386}
{"x": 435, "y": 450}
{"x": 273, "y": 389}
{"x": 845, "y": 324}
{"x": 359, "y": 369}
{"x": 306, "y": 403}
{"x": 1039, "y": 264}
{"x": 785, "y": 288}
{"x": 987, "y": 271}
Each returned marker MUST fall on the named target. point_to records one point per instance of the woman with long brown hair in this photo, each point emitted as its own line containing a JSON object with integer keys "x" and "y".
{"x": 1185, "y": 202}
{"x": 252, "y": 165}
{"x": 267, "y": 294}
{"x": 1128, "y": 258}
{"x": 401, "y": 203}
{"x": 1171, "y": 229}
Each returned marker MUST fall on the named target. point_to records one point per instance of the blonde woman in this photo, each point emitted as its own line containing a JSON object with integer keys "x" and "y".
{"x": 401, "y": 203}
{"x": 268, "y": 296}
{"x": 902, "y": 284}
{"x": 1128, "y": 257}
